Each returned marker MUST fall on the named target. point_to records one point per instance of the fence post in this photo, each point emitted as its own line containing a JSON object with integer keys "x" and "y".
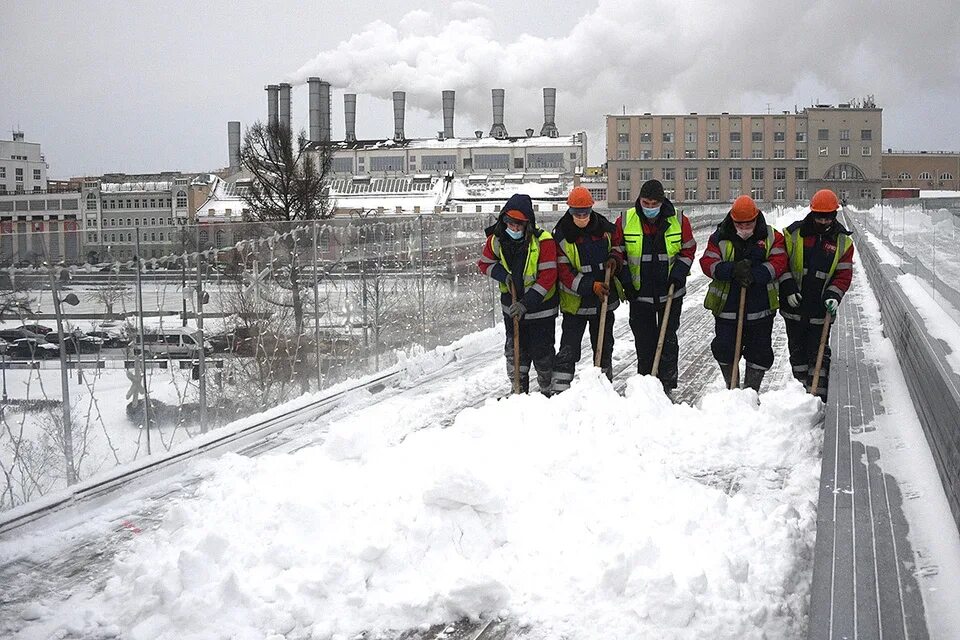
{"x": 143, "y": 351}
{"x": 203, "y": 355}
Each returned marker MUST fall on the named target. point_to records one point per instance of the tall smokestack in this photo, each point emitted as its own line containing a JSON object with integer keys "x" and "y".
{"x": 325, "y": 126}
{"x": 448, "y": 101}
{"x": 399, "y": 101}
{"x": 313, "y": 89}
{"x": 498, "y": 130}
{"x": 272, "y": 103}
{"x": 549, "y": 113}
{"x": 350, "y": 116}
{"x": 233, "y": 144}
{"x": 284, "y": 104}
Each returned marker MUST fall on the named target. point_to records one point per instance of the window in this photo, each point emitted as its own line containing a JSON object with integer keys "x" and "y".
{"x": 623, "y": 175}
{"x": 844, "y": 134}
{"x": 91, "y": 202}
{"x": 690, "y": 193}
{"x": 779, "y": 193}
{"x": 866, "y": 151}
{"x": 668, "y": 136}
{"x": 713, "y": 173}
{"x": 779, "y": 136}
{"x": 734, "y": 136}
{"x": 690, "y": 136}
{"x": 736, "y": 173}
{"x": 800, "y": 154}
{"x": 646, "y": 154}
{"x": 713, "y": 193}
{"x": 646, "y": 174}
{"x": 756, "y": 173}
{"x": 756, "y": 136}
{"x": 690, "y": 173}
{"x": 924, "y": 175}
{"x": 153, "y": 222}
{"x": 690, "y": 153}
{"x": 823, "y": 151}
{"x": 113, "y": 222}
{"x": 946, "y": 176}
{"x": 756, "y": 193}
{"x": 904, "y": 176}
{"x": 800, "y": 173}
{"x": 19, "y": 174}
{"x": 669, "y": 173}
{"x": 735, "y": 152}
{"x": 713, "y": 136}
{"x": 801, "y": 136}
{"x": 734, "y": 193}
{"x": 779, "y": 154}
{"x": 779, "y": 173}
{"x": 623, "y": 137}
{"x": 623, "y": 194}
{"x": 844, "y": 151}
{"x": 646, "y": 137}
{"x": 623, "y": 154}
{"x": 713, "y": 153}
{"x": 488, "y": 161}
{"x": 153, "y": 203}
{"x": 36, "y": 174}
{"x": 3, "y": 172}
{"x": 377, "y": 163}
{"x": 866, "y": 194}
{"x": 517, "y": 163}
{"x": 801, "y": 193}
{"x": 181, "y": 200}
{"x": 136, "y": 204}
{"x": 866, "y": 134}
{"x": 667, "y": 154}
{"x": 756, "y": 154}
{"x": 823, "y": 134}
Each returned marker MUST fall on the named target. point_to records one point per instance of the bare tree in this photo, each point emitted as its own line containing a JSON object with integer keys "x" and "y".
{"x": 289, "y": 188}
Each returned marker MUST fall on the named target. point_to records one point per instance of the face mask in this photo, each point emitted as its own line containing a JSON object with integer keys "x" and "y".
{"x": 745, "y": 233}
{"x": 652, "y": 212}
{"x": 581, "y": 221}
{"x": 516, "y": 235}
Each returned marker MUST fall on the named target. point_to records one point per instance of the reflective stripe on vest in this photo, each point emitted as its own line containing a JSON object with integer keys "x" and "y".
{"x": 530, "y": 269}
{"x": 794, "y": 243}
{"x": 570, "y": 300}
{"x": 719, "y": 290}
{"x": 633, "y": 240}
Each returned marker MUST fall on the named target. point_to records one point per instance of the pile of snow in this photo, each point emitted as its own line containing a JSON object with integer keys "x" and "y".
{"x": 587, "y": 515}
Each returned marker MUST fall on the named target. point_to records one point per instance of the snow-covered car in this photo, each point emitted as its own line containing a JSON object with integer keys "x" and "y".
{"x": 32, "y": 349}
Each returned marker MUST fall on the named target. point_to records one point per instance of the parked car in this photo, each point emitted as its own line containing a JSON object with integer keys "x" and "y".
{"x": 110, "y": 339}
{"x": 179, "y": 342}
{"x": 77, "y": 342}
{"x": 10, "y": 335}
{"x": 32, "y": 349}
{"x": 37, "y": 328}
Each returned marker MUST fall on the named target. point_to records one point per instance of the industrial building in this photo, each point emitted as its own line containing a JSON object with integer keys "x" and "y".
{"x": 775, "y": 158}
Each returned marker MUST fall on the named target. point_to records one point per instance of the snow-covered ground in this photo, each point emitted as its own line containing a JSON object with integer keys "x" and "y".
{"x": 585, "y": 515}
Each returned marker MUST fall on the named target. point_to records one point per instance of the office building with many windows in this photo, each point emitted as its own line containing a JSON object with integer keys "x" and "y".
{"x": 775, "y": 158}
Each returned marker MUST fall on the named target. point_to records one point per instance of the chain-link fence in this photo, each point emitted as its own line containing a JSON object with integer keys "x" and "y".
{"x": 923, "y": 236}
{"x": 215, "y": 322}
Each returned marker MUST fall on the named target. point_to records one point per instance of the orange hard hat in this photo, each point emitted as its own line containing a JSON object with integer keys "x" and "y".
{"x": 580, "y": 198}
{"x": 824, "y": 201}
{"x": 744, "y": 209}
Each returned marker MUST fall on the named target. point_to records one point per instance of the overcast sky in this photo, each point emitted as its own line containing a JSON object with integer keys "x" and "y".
{"x": 148, "y": 86}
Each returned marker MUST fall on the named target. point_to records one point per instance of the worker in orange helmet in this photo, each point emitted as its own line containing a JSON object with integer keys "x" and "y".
{"x": 588, "y": 247}
{"x": 744, "y": 254}
{"x": 820, "y": 269}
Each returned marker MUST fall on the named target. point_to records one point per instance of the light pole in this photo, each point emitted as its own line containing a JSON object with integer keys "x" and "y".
{"x": 72, "y": 300}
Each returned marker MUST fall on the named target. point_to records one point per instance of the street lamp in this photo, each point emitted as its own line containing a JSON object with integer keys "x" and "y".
{"x": 72, "y": 300}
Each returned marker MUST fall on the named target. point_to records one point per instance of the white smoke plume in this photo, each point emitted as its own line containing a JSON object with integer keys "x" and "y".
{"x": 665, "y": 56}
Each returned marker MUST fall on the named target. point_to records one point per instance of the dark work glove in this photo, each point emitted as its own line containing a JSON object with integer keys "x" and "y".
{"x": 516, "y": 310}
{"x": 832, "y": 304}
{"x": 742, "y": 273}
{"x": 601, "y": 290}
{"x": 611, "y": 266}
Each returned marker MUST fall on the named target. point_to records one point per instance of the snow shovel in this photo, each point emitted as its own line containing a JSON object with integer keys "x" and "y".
{"x": 663, "y": 332}
{"x": 735, "y": 371}
{"x": 603, "y": 321}
{"x": 824, "y": 335}
{"x": 516, "y": 343}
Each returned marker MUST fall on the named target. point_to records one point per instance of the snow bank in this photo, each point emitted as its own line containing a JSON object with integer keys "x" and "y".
{"x": 587, "y": 515}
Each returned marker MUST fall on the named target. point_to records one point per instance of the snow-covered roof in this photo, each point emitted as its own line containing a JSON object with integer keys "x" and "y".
{"x": 135, "y": 187}
{"x": 453, "y": 144}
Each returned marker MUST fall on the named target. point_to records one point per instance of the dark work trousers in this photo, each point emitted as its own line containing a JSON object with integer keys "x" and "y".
{"x": 571, "y": 337}
{"x": 645, "y": 321}
{"x": 803, "y": 342}
{"x": 756, "y": 343}
{"x": 536, "y": 345}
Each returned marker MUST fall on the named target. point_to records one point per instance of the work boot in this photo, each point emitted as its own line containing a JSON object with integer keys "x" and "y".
{"x": 752, "y": 378}
{"x": 608, "y": 371}
{"x": 727, "y": 371}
